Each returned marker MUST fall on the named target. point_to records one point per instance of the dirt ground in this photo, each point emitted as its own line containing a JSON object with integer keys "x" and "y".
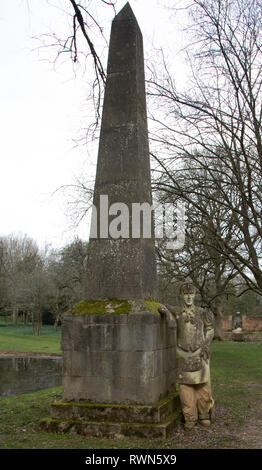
{"x": 224, "y": 432}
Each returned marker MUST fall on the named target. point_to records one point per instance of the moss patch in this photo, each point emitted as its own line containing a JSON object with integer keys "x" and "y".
{"x": 91, "y": 307}
{"x": 172, "y": 395}
{"x": 114, "y": 306}
{"x": 152, "y": 305}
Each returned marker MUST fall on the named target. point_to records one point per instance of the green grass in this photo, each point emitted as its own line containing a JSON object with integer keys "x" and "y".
{"x": 19, "y": 429}
{"x": 20, "y": 338}
{"x": 236, "y": 372}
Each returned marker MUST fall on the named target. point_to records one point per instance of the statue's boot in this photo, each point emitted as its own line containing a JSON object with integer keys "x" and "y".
{"x": 205, "y": 422}
{"x": 189, "y": 424}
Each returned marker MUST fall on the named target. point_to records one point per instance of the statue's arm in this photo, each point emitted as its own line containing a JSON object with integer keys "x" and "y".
{"x": 169, "y": 313}
{"x": 208, "y": 318}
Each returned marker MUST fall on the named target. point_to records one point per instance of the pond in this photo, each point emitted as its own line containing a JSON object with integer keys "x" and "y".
{"x": 24, "y": 374}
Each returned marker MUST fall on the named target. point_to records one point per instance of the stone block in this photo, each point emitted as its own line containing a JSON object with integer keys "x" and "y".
{"x": 139, "y": 318}
{"x": 111, "y": 430}
{"x": 138, "y": 332}
{"x": 115, "y": 389}
{"x": 110, "y": 361}
{"x": 67, "y": 333}
{"x": 107, "y": 420}
{"x": 94, "y": 363}
{"x": 171, "y": 358}
{"x": 170, "y": 337}
{"x": 160, "y": 412}
{"x": 113, "y": 319}
{"x": 67, "y": 362}
{"x": 171, "y": 380}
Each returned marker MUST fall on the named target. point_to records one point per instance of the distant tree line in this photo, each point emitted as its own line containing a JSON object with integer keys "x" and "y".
{"x": 40, "y": 285}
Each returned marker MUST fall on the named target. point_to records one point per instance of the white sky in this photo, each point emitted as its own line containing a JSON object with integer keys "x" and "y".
{"x": 42, "y": 111}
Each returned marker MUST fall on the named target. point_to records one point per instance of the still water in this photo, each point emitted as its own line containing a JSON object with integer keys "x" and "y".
{"x": 28, "y": 374}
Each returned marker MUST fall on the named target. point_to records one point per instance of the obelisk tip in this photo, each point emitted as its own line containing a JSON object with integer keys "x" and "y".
{"x": 126, "y": 13}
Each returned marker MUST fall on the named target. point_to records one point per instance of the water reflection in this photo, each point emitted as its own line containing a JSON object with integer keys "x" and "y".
{"x": 28, "y": 374}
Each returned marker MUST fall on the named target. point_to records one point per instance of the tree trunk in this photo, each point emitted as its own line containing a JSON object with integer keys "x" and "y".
{"x": 36, "y": 324}
{"x": 218, "y": 321}
{"x": 15, "y": 315}
{"x": 26, "y": 315}
{"x": 58, "y": 318}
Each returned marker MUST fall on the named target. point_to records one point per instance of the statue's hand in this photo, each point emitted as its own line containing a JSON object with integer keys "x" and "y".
{"x": 162, "y": 310}
{"x": 205, "y": 352}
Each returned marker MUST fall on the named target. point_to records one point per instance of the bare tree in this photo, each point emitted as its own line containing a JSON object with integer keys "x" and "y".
{"x": 67, "y": 277}
{"x": 84, "y": 43}
{"x": 25, "y": 278}
{"x": 215, "y": 124}
{"x": 201, "y": 259}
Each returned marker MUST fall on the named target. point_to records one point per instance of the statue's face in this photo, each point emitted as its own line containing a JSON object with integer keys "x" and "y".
{"x": 189, "y": 299}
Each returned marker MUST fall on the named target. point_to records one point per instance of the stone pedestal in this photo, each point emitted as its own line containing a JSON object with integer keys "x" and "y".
{"x": 117, "y": 358}
{"x": 118, "y": 376}
{"x": 111, "y": 420}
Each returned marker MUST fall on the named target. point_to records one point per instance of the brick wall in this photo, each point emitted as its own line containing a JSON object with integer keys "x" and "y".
{"x": 227, "y": 323}
{"x": 251, "y": 324}
{"x": 248, "y": 323}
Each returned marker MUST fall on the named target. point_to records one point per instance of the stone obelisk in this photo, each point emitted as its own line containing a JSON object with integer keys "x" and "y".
{"x": 119, "y": 357}
{"x": 122, "y": 267}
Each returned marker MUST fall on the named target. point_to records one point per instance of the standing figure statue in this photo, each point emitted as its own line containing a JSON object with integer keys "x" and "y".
{"x": 195, "y": 330}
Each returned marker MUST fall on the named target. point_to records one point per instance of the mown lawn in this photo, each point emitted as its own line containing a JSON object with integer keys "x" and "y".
{"x": 237, "y": 384}
{"x": 236, "y": 371}
{"x": 20, "y": 338}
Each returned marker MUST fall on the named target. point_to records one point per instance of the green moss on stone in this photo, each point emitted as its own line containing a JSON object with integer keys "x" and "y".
{"x": 153, "y": 305}
{"x": 162, "y": 401}
{"x": 114, "y": 306}
{"x": 102, "y": 405}
{"x": 91, "y": 307}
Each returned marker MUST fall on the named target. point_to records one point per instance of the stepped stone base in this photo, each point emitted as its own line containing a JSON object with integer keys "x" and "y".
{"x": 119, "y": 374}
{"x": 111, "y": 420}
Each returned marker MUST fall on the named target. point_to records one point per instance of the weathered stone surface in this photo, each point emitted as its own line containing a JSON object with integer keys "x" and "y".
{"x": 124, "y": 267}
{"x": 238, "y": 336}
{"x": 110, "y": 430}
{"x": 158, "y": 413}
{"x": 109, "y": 362}
{"x": 193, "y": 329}
{"x": 109, "y": 420}
{"x": 139, "y": 332}
{"x": 115, "y": 389}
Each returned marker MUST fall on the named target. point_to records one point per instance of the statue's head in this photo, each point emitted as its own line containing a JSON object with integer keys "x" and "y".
{"x": 188, "y": 292}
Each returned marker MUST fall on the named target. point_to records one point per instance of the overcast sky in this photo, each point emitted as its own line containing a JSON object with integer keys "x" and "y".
{"x": 42, "y": 111}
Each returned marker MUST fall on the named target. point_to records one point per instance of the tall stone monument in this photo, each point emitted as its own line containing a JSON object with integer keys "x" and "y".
{"x": 128, "y": 267}
{"x": 118, "y": 354}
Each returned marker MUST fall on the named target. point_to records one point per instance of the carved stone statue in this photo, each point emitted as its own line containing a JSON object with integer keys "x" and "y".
{"x": 195, "y": 330}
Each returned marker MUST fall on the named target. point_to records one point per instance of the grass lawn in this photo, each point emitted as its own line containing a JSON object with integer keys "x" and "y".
{"x": 236, "y": 371}
{"x": 237, "y": 384}
{"x": 20, "y": 338}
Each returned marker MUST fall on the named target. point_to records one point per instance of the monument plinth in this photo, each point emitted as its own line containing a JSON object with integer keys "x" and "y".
{"x": 118, "y": 354}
